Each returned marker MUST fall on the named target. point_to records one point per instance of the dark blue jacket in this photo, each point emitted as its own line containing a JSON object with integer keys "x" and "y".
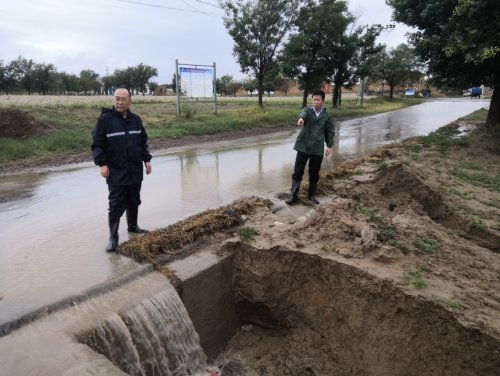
{"x": 122, "y": 145}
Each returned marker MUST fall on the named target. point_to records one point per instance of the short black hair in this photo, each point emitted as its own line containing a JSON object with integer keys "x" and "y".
{"x": 321, "y": 93}
{"x": 125, "y": 88}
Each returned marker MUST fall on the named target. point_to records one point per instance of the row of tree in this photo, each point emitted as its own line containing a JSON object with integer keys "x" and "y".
{"x": 317, "y": 41}
{"x": 312, "y": 41}
{"x": 26, "y": 76}
{"x": 227, "y": 85}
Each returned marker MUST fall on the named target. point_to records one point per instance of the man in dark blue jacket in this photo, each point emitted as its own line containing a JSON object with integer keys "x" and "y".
{"x": 120, "y": 148}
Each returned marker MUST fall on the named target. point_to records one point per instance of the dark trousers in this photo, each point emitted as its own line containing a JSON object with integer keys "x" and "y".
{"x": 122, "y": 197}
{"x": 314, "y": 166}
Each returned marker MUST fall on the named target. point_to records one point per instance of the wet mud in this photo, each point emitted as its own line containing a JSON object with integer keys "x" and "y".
{"x": 307, "y": 315}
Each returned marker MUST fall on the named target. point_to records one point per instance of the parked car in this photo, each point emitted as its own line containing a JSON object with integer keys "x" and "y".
{"x": 476, "y": 92}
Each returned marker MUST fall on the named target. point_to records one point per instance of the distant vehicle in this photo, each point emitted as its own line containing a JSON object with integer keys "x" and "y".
{"x": 426, "y": 93}
{"x": 409, "y": 92}
{"x": 476, "y": 92}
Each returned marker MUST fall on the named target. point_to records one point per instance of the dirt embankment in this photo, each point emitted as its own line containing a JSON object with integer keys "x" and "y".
{"x": 396, "y": 272}
{"x": 19, "y": 124}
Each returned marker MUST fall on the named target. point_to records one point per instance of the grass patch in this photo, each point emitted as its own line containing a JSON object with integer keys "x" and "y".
{"x": 416, "y": 148}
{"x": 415, "y": 278}
{"x": 493, "y": 203}
{"x": 449, "y": 303}
{"x": 386, "y": 231}
{"x": 458, "y": 193}
{"x": 382, "y": 166}
{"x": 444, "y": 140}
{"x": 70, "y": 120}
{"x": 427, "y": 245}
{"x": 247, "y": 234}
{"x": 370, "y": 213}
{"x": 478, "y": 116}
{"x": 401, "y": 246}
{"x": 481, "y": 179}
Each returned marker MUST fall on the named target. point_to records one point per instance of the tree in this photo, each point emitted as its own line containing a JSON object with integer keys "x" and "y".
{"x": 152, "y": 87}
{"x": 141, "y": 74}
{"x": 89, "y": 81}
{"x": 45, "y": 77}
{"x": 282, "y": 84}
{"x": 460, "y": 42}
{"x": 225, "y": 85}
{"x": 397, "y": 66}
{"x": 306, "y": 53}
{"x": 4, "y": 77}
{"x": 234, "y": 86}
{"x": 70, "y": 83}
{"x": 349, "y": 58}
{"x": 258, "y": 29}
{"x": 250, "y": 85}
{"x": 273, "y": 82}
{"x": 21, "y": 71}
{"x": 107, "y": 83}
{"x": 124, "y": 78}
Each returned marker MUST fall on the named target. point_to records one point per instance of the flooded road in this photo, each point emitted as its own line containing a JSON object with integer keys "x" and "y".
{"x": 54, "y": 225}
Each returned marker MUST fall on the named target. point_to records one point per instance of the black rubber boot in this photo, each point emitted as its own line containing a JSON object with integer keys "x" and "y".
{"x": 294, "y": 193}
{"x": 310, "y": 194}
{"x": 114, "y": 224}
{"x": 132, "y": 214}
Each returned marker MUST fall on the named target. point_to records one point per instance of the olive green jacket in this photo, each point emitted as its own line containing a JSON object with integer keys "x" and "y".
{"x": 315, "y": 132}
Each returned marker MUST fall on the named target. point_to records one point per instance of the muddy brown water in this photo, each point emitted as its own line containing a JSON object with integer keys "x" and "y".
{"x": 53, "y": 224}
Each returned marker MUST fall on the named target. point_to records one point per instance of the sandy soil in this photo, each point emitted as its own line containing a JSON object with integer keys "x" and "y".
{"x": 396, "y": 272}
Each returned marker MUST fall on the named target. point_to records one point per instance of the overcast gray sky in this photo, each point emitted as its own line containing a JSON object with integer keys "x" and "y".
{"x": 108, "y": 34}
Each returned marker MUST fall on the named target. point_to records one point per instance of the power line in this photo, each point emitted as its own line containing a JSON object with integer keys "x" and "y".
{"x": 171, "y": 8}
{"x": 190, "y": 5}
{"x": 212, "y": 5}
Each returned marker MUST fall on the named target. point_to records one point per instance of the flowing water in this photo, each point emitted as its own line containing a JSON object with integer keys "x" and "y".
{"x": 155, "y": 338}
{"x": 142, "y": 328}
{"x": 54, "y": 224}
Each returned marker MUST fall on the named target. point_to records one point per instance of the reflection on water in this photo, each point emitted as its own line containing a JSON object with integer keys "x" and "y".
{"x": 53, "y": 234}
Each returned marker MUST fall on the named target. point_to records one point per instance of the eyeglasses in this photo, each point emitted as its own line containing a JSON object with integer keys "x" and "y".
{"x": 121, "y": 99}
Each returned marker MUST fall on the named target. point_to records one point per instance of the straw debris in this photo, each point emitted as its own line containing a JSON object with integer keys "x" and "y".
{"x": 169, "y": 240}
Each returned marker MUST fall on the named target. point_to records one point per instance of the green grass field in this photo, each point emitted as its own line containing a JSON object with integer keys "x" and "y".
{"x": 71, "y": 120}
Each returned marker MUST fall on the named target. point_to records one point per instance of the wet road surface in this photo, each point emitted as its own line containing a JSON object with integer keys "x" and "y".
{"x": 54, "y": 225}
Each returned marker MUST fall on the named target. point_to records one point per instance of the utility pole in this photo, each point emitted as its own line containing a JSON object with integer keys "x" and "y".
{"x": 215, "y": 89}
{"x": 177, "y": 87}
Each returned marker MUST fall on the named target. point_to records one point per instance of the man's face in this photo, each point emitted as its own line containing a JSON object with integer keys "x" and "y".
{"x": 122, "y": 100}
{"x": 317, "y": 102}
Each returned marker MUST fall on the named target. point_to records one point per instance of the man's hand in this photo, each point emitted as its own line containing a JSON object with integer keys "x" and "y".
{"x": 148, "y": 168}
{"x": 300, "y": 122}
{"x": 328, "y": 151}
{"x": 104, "y": 170}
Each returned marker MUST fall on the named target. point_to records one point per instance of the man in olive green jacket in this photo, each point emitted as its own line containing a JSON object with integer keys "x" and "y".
{"x": 317, "y": 129}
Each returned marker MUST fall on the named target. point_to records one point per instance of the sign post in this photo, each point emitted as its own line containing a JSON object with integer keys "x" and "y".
{"x": 178, "y": 95}
{"x": 195, "y": 81}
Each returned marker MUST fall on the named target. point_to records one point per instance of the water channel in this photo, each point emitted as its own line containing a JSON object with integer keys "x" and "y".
{"x": 54, "y": 224}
